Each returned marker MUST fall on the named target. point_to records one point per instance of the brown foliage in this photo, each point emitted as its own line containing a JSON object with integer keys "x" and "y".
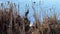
{"x": 12, "y": 23}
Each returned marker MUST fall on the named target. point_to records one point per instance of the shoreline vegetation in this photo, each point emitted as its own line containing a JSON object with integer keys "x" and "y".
{"x": 12, "y": 23}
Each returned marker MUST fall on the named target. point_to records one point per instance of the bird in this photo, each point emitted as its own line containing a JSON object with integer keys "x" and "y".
{"x": 27, "y": 13}
{"x": 34, "y": 2}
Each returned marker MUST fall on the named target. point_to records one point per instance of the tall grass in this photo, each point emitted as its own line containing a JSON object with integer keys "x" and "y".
{"x": 12, "y": 23}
